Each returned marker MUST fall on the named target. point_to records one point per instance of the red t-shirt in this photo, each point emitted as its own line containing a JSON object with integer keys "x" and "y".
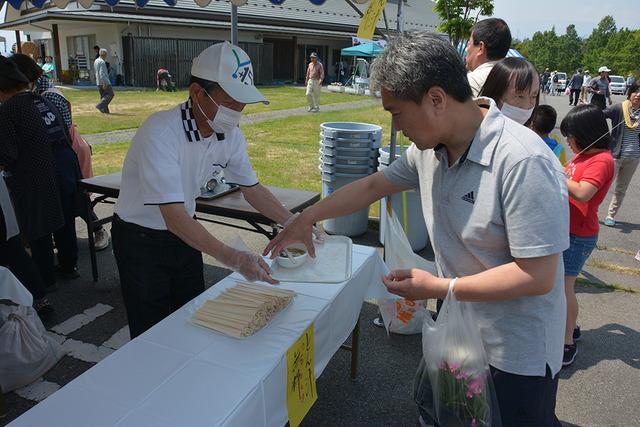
{"x": 597, "y": 169}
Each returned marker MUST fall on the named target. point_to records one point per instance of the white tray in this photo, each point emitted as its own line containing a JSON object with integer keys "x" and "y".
{"x": 332, "y": 264}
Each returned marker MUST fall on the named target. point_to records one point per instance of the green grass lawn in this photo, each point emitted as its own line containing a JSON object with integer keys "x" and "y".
{"x": 281, "y": 158}
{"x": 130, "y": 108}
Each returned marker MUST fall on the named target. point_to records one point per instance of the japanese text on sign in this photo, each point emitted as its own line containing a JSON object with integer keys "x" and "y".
{"x": 301, "y": 378}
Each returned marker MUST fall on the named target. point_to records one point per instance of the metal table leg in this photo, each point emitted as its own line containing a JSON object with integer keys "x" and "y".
{"x": 92, "y": 246}
{"x": 353, "y": 348}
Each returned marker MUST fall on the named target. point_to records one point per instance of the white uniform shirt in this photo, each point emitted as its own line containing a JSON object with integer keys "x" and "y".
{"x": 169, "y": 161}
{"x": 505, "y": 198}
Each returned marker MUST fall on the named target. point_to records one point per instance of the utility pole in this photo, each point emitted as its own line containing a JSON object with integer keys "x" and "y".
{"x": 234, "y": 24}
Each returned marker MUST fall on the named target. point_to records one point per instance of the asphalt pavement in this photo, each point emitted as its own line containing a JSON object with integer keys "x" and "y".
{"x": 600, "y": 389}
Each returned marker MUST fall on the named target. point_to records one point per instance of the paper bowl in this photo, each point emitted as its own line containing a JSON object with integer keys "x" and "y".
{"x": 298, "y": 259}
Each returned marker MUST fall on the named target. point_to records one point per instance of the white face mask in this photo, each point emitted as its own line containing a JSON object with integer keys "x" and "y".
{"x": 225, "y": 119}
{"x": 517, "y": 114}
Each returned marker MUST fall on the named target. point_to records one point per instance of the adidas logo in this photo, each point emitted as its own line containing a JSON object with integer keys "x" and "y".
{"x": 469, "y": 197}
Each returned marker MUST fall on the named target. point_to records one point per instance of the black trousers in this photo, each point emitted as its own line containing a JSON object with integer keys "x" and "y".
{"x": 524, "y": 401}
{"x": 42, "y": 255}
{"x": 15, "y": 258}
{"x": 106, "y": 96}
{"x": 599, "y": 100}
{"x": 574, "y": 96}
{"x": 159, "y": 273}
{"x": 66, "y": 238}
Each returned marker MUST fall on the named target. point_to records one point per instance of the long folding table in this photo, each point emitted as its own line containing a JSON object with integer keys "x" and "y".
{"x": 178, "y": 374}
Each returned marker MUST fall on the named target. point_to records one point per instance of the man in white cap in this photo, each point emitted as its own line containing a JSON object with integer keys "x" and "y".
{"x": 600, "y": 88}
{"x": 313, "y": 80}
{"x": 157, "y": 242}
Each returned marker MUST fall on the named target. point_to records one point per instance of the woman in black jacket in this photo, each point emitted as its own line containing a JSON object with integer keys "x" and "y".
{"x": 42, "y": 169}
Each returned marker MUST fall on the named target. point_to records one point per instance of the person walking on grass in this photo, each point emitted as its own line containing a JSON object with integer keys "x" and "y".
{"x": 103, "y": 82}
{"x": 589, "y": 176}
{"x": 626, "y": 146}
{"x": 313, "y": 81}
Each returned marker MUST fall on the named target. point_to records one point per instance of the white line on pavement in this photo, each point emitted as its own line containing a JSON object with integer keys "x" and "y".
{"x": 118, "y": 339}
{"x": 85, "y": 351}
{"x": 37, "y": 390}
{"x": 79, "y": 320}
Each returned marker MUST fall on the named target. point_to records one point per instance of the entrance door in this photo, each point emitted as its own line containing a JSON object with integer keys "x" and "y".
{"x": 282, "y": 59}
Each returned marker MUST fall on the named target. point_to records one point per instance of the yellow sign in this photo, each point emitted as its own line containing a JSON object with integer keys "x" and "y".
{"x": 370, "y": 19}
{"x": 301, "y": 378}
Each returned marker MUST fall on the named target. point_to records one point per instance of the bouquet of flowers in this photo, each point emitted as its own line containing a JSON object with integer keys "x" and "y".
{"x": 453, "y": 385}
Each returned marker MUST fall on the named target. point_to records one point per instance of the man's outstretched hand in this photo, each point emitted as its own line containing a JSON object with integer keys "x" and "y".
{"x": 296, "y": 231}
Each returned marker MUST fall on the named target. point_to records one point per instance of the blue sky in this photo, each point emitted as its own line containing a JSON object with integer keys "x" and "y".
{"x": 525, "y": 17}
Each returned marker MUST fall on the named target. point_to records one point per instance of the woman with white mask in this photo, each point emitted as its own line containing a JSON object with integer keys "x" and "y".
{"x": 514, "y": 85}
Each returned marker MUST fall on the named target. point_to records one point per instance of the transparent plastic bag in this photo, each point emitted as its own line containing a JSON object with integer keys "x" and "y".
{"x": 402, "y": 316}
{"x": 453, "y": 385}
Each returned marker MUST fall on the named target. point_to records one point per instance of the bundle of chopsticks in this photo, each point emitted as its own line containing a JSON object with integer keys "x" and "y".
{"x": 242, "y": 310}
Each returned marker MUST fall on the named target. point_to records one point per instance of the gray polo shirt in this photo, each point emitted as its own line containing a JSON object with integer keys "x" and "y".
{"x": 601, "y": 84}
{"x": 505, "y": 198}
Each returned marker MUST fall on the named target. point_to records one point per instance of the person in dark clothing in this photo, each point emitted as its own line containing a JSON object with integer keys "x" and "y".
{"x": 43, "y": 86}
{"x": 600, "y": 89}
{"x": 14, "y": 257}
{"x": 35, "y": 151}
{"x": 575, "y": 85}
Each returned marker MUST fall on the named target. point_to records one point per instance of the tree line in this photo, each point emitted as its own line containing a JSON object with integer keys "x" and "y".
{"x": 618, "y": 49}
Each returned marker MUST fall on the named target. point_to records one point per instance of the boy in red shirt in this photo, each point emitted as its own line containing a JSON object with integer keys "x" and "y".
{"x": 589, "y": 176}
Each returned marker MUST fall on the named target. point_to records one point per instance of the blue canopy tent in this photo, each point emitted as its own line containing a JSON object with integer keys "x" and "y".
{"x": 366, "y": 49}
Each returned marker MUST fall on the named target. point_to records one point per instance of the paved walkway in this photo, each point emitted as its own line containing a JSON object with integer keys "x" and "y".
{"x": 127, "y": 134}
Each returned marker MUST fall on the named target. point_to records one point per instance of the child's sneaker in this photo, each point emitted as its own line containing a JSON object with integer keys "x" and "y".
{"x": 570, "y": 353}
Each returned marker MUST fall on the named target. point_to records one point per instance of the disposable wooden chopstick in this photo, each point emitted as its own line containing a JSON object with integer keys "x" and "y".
{"x": 243, "y": 309}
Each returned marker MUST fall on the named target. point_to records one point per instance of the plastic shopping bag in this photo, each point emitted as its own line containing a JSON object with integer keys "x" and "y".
{"x": 567, "y": 91}
{"x": 453, "y": 385}
{"x": 26, "y": 352}
{"x": 402, "y": 316}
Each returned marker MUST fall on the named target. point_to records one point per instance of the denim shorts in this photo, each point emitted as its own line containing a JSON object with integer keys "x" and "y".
{"x": 576, "y": 255}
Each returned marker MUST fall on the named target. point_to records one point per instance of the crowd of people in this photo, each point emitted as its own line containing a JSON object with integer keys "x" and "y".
{"x": 42, "y": 158}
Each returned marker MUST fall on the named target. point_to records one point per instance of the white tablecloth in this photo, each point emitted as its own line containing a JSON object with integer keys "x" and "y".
{"x": 177, "y": 374}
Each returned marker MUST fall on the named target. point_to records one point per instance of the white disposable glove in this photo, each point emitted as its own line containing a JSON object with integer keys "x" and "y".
{"x": 252, "y": 266}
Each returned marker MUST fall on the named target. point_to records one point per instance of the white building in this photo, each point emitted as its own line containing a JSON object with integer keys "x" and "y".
{"x": 279, "y": 39}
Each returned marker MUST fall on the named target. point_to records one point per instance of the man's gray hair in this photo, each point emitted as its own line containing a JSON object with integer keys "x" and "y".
{"x": 103, "y": 52}
{"x": 415, "y": 62}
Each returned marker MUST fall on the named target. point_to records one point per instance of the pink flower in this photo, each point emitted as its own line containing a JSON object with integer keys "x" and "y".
{"x": 453, "y": 366}
{"x": 462, "y": 376}
{"x": 476, "y": 386}
{"x": 474, "y": 423}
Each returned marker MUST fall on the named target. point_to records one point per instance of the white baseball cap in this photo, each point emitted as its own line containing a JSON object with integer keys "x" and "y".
{"x": 603, "y": 70}
{"x": 230, "y": 67}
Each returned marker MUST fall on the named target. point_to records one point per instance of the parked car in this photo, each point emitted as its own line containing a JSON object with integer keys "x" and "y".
{"x": 562, "y": 81}
{"x": 618, "y": 85}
